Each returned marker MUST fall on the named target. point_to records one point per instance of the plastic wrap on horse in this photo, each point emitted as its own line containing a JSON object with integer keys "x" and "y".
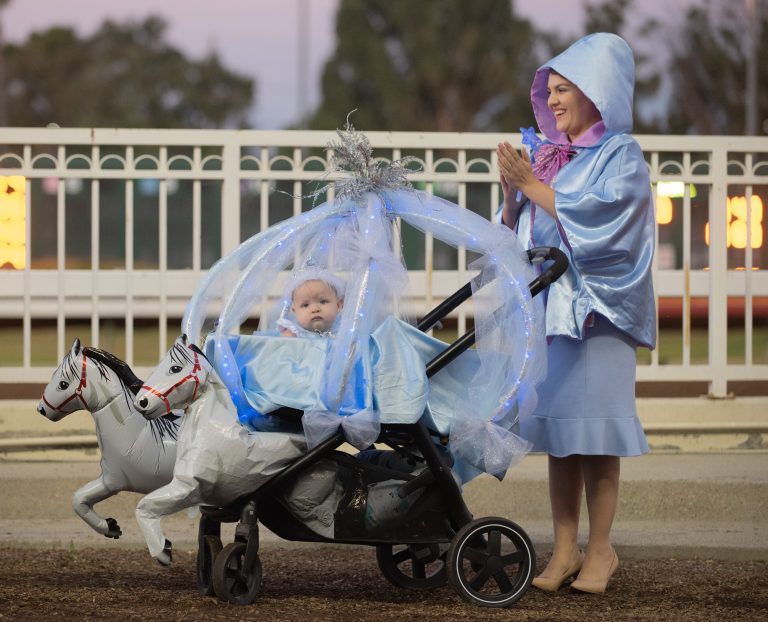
{"x": 373, "y": 370}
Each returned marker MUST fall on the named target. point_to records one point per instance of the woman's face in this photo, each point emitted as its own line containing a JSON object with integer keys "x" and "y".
{"x": 574, "y": 112}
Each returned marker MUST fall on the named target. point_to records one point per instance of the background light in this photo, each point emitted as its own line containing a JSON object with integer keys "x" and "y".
{"x": 13, "y": 227}
{"x": 736, "y": 216}
{"x": 674, "y": 189}
{"x": 663, "y": 210}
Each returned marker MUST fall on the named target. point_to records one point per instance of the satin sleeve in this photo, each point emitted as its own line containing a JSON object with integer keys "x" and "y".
{"x": 607, "y": 226}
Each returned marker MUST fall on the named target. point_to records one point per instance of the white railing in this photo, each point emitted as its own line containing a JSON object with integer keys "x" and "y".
{"x": 203, "y": 180}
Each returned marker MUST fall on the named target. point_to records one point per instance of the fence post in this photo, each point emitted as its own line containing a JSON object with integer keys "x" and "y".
{"x": 718, "y": 275}
{"x": 230, "y": 195}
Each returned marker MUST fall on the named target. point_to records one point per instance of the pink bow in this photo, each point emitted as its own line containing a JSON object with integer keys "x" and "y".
{"x": 550, "y": 158}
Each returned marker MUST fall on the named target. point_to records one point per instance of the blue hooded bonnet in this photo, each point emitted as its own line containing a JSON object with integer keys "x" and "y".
{"x": 603, "y": 67}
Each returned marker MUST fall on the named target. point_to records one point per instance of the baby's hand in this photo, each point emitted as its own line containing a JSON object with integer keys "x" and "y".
{"x": 286, "y": 328}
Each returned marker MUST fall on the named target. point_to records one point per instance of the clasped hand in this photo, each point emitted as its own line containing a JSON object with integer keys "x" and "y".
{"x": 516, "y": 170}
{"x": 517, "y": 175}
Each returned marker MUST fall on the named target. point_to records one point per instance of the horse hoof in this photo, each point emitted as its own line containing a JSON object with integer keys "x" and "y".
{"x": 166, "y": 557}
{"x": 114, "y": 530}
{"x": 163, "y": 559}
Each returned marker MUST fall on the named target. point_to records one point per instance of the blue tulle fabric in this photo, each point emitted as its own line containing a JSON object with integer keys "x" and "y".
{"x": 371, "y": 370}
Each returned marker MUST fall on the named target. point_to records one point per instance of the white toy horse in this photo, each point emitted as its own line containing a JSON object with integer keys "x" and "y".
{"x": 136, "y": 455}
{"x": 218, "y": 460}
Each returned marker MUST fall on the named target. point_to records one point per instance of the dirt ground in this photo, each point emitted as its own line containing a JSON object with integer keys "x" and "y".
{"x": 329, "y": 582}
{"x": 54, "y": 567}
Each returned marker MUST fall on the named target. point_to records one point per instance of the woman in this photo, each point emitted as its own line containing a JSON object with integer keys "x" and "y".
{"x": 589, "y": 193}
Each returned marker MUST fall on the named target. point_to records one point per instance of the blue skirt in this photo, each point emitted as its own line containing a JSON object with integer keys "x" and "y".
{"x": 587, "y": 402}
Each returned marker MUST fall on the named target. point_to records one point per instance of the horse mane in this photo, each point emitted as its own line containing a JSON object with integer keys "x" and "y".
{"x": 117, "y": 365}
{"x": 162, "y": 426}
{"x": 199, "y": 351}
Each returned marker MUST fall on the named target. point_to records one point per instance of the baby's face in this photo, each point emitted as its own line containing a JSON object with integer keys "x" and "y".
{"x": 315, "y": 305}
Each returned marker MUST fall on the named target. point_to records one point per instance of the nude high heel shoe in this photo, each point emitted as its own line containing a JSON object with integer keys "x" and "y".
{"x": 599, "y": 586}
{"x": 552, "y": 585}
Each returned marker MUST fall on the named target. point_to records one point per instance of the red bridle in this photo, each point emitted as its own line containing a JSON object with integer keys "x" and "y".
{"x": 193, "y": 375}
{"x": 77, "y": 394}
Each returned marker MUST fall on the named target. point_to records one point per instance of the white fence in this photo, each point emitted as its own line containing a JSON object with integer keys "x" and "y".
{"x": 121, "y": 224}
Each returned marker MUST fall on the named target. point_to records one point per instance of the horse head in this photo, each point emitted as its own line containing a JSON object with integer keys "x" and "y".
{"x": 64, "y": 392}
{"x": 85, "y": 379}
{"x": 176, "y": 381}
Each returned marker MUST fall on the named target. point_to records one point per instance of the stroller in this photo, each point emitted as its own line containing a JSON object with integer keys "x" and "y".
{"x": 404, "y": 501}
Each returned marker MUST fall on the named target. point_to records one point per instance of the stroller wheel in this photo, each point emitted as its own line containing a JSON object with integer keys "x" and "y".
{"x": 413, "y": 566}
{"x": 206, "y": 557}
{"x": 491, "y": 562}
{"x": 232, "y": 581}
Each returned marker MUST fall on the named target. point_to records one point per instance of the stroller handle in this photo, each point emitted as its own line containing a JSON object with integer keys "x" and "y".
{"x": 553, "y": 272}
{"x": 536, "y": 256}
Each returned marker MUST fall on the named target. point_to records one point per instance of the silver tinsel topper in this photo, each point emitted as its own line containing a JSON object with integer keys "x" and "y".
{"x": 353, "y": 155}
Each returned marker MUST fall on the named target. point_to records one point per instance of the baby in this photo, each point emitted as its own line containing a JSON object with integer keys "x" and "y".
{"x": 316, "y": 299}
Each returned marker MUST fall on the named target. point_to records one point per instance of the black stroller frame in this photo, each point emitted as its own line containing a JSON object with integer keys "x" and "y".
{"x": 489, "y": 561}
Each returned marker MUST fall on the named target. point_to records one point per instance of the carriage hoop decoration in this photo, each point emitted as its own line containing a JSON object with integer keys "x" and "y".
{"x": 368, "y": 194}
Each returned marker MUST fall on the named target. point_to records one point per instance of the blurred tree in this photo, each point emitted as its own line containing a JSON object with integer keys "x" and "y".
{"x": 606, "y": 16}
{"x": 611, "y": 16}
{"x": 709, "y": 68}
{"x": 3, "y": 113}
{"x": 124, "y": 75}
{"x": 434, "y": 65}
